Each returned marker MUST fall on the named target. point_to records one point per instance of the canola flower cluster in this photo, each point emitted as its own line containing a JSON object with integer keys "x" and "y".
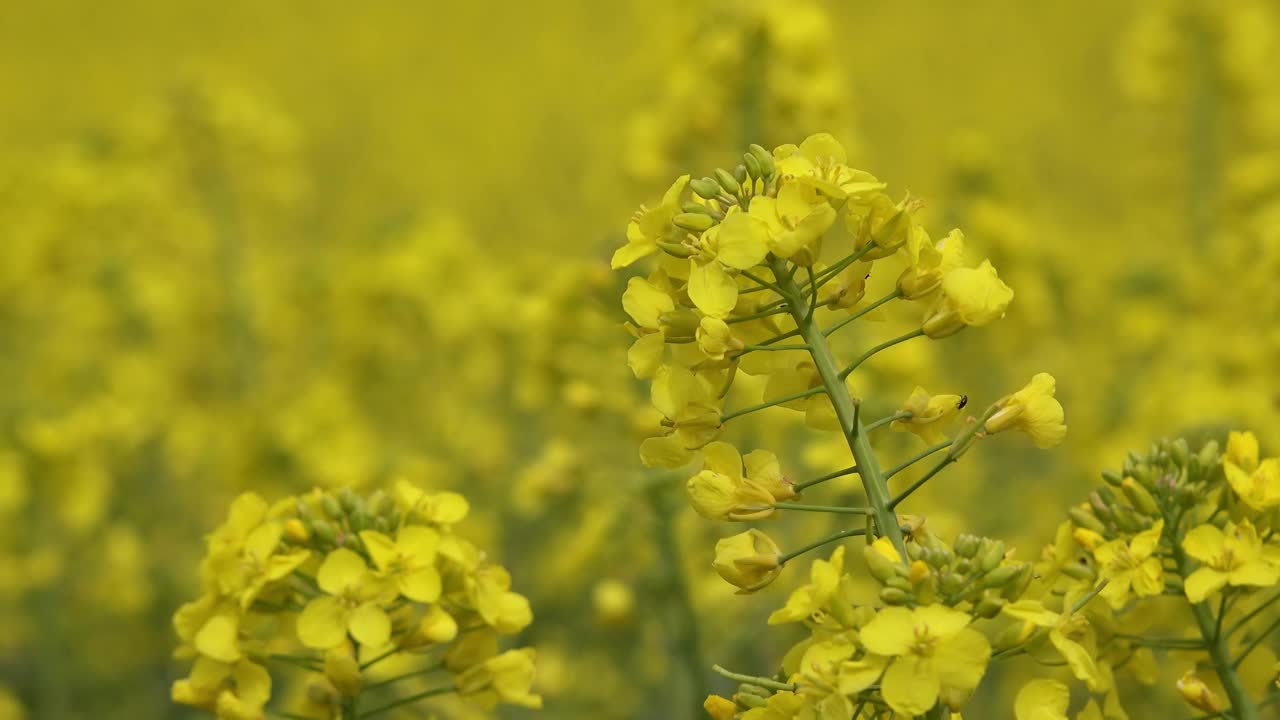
{"x": 340, "y": 586}
{"x": 737, "y": 273}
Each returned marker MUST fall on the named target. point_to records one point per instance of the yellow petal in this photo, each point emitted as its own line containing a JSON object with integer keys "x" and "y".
{"x": 909, "y": 686}
{"x": 381, "y": 548}
{"x": 711, "y": 289}
{"x": 645, "y": 356}
{"x": 890, "y": 632}
{"x": 422, "y": 585}
{"x": 743, "y": 241}
{"x": 961, "y": 660}
{"x": 1204, "y": 543}
{"x": 322, "y": 623}
{"x": 218, "y": 638}
{"x": 1042, "y": 700}
{"x": 1204, "y": 582}
{"x": 370, "y": 625}
{"x": 418, "y": 543}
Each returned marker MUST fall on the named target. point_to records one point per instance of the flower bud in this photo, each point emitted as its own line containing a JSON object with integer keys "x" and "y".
{"x": 967, "y": 545}
{"x": 740, "y": 173}
{"x": 720, "y": 708}
{"x": 893, "y": 596}
{"x": 706, "y": 188}
{"x": 1199, "y": 695}
{"x": 880, "y": 567}
{"x": 730, "y": 184}
{"x": 438, "y": 626}
{"x": 1087, "y": 538}
{"x": 1179, "y": 451}
{"x": 989, "y": 606}
{"x": 1079, "y": 571}
{"x": 1112, "y": 478}
{"x": 748, "y": 560}
{"x": 1140, "y": 497}
{"x": 324, "y": 531}
{"x": 764, "y": 158}
{"x": 694, "y": 222}
{"x": 348, "y": 499}
{"x": 991, "y": 556}
{"x": 296, "y": 531}
{"x": 1001, "y": 576}
{"x": 1082, "y": 517}
{"x": 330, "y": 505}
{"x": 752, "y": 165}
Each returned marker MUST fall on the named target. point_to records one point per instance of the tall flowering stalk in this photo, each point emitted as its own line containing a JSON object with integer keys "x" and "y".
{"x": 740, "y": 287}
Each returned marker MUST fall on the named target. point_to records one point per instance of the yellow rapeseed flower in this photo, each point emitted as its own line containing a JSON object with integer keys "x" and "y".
{"x": 1033, "y": 410}
{"x": 970, "y": 297}
{"x": 1132, "y": 567}
{"x": 351, "y": 605}
{"x": 934, "y": 651}
{"x": 408, "y": 562}
{"x": 1234, "y": 557}
{"x": 1257, "y": 483}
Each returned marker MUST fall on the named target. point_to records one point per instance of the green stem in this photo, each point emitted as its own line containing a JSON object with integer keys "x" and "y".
{"x": 943, "y": 463}
{"x": 918, "y": 332}
{"x": 917, "y": 458}
{"x": 851, "y": 470}
{"x": 772, "y": 403}
{"x": 873, "y": 482}
{"x": 852, "y": 532}
{"x": 888, "y": 419}
{"x": 404, "y": 676}
{"x": 834, "y": 328}
{"x": 775, "y": 308}
{"x": 380, "y": 658}
{"x": 1256, "y": 642}
{"x": 831, "y": 272}
{"x": 1242, "y": 707}
{"x": 1252, "y": 614}
{"x": 407, "y": 700}
{"x": 774, "y": 348}
{"x": 825, "y": 508}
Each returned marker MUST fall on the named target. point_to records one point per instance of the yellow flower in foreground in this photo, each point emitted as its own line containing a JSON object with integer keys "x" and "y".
{"x": 928, "y": 263}
{"x": 970, "y": 297}
{"x": 1257, "y": 483}
{"x": 408, "y": 561}
{"x": 650, "y": 226}
{"x": 1131, "y": 567}
{"x": 1233, "y": 557}
{"x": 824, "y": 580}
{"x": 928, "y": 414}
{"x": 934, "y": 651}
{"x": 350, "y": 606}
{"x": 748, "y": 560}
{"x": 692, "y": 417}
{"x": 721, "y": 492}
{"x": 506, "y": 678}
{"x": 1061, "y": 626}
{"x": 1033, "y": 410}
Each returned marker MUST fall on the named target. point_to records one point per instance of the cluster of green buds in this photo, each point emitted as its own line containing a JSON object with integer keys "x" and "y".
{"x": 974, "y": 572}
{"x": 366, "y": 597}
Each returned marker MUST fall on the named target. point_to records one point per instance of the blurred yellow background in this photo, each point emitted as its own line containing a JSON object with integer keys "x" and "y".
{"x": 272, "y": 245}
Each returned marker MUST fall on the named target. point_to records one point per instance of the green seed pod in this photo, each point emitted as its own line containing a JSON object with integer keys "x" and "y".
{"x": 894, "y": 596}
{"x": 1112, "y": 478}
{"x": 880, "y": 567}
{"x": 750, "y": 701}
{"x": 705, "y": 188}
{"x": 1140, "y": 497}
{"x": 754, "y": 690}
{"x": 989, "y": 607}
{"x": 693, "y": 222}
{"x": 991, "y": 556}
{"x": 765, "y": 159}
{"x": 752, "y": 165}
{"x": 727, "y": 181}
{"x": 966, "y": 545}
